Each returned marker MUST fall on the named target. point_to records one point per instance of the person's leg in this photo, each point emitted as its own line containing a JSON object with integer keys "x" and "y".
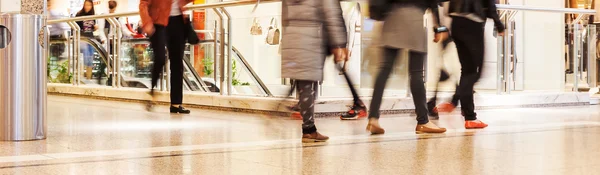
{"x": 88, "y": 59}
{"x": 158, "y": 43}
{"x": 176, "y": 47}
{"x": 358, "y": 109}
{"x": 306, "y": 106}
{"x": 417, "y": 85}
{"x": 469, "y": 44}
{"x": 387, "y": 64}
{"x": 416, "y": 69}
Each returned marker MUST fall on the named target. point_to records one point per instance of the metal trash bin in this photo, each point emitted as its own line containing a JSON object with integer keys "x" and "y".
{"x": 23, "y": 76}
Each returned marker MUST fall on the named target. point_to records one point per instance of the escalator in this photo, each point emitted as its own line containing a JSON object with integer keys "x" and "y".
{"x": 102, "y": 76}
{"x": 135, "y": 76}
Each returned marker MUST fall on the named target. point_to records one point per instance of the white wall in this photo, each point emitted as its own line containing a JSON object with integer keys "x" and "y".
{"x": 10, "y": 5}
{"x": 543, "y": 47}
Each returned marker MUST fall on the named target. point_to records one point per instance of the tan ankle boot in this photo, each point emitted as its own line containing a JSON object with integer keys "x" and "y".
{"x": 374, "y": 127}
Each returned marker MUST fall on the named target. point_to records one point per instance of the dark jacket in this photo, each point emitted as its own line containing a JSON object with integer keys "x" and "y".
{"x": 482, "y": 8}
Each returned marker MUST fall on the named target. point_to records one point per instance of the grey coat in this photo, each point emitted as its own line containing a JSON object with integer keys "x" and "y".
{"x": 404, "y": 27}
{"x": 310, "y": 28}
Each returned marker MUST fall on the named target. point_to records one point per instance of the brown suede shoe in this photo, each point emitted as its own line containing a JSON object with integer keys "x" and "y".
{"x": 374, "y": 127}
{"x": 429, "y": 128}
{"x": 314, "y": 137}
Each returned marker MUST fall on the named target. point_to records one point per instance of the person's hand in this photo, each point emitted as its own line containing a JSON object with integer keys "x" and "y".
{"x": 501, "y": 33}
{"x": 340, "y": 54}
{"x": 95, "y": 27}
{"x": 149, "y": 30}
{"x": 439, "y": 37}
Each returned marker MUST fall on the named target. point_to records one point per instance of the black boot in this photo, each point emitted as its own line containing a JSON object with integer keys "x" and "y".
{"x": 179, "y": 110}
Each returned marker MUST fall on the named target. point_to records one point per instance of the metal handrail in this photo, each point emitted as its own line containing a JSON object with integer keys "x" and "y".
{"x": 544, "y": 9}
{"x": 188, "y": 7}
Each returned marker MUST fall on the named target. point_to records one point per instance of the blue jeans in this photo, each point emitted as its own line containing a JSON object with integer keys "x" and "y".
{"x": 88, "y": 54}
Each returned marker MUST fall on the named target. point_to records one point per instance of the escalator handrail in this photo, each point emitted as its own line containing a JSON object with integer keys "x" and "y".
{"x": 249, "y": 68}
{"x": 186, "y": 62}
{"x": 262, "y": 85}
{"x": 96, "y": 45}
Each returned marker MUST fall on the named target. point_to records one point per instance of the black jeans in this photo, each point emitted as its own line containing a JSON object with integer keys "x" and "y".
{"x": 306, "y": 105}
{"x": 173, "y": 38}
{"x": 417, "y": 84}
{"x": 468, "y": 36}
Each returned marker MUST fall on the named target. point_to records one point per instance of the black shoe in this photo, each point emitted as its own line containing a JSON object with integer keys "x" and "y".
{"x": 179, "y": 110}
{"x": 432, "y": 111}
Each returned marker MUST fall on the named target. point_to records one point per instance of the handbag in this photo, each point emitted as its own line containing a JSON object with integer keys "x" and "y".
{"x": 256, "y": 29}
{"x": 190, "y": 34}
{"x": 273, "y": 34}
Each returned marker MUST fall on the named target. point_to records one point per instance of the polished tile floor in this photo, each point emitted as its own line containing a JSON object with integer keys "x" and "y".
{"x": 106, "y": 137}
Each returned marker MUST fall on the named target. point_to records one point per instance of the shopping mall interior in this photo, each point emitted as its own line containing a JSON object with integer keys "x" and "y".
{"x": 67, "y": 110}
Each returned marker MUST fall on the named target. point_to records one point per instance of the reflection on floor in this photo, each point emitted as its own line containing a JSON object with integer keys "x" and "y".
{"x": 105, "y": 137}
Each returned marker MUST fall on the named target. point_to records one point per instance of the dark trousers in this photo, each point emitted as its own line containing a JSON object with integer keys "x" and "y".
{"x": 468, "y": 36}
{"x": 173, "y": 38}
{"x": 306, "y": 105}
{"x": 417, "y": 84}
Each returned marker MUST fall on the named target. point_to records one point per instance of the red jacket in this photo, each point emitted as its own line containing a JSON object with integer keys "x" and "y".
{"x": 158, "y": 11}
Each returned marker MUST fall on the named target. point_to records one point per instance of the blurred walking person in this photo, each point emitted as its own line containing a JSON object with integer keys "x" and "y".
{"x": 403, "y": 30}
{"x": 468, "y": 26}
{"x": 312, "y": 29}
{"x": 163, "y": 21}
{"x": 445, "y": 74}
{"x": 88, "y": 27}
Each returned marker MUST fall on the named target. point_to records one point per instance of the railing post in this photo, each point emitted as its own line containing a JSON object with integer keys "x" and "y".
{"x": 592, "y": 67}
{"x": 216, "y": 52}
{"x": 577, "y": 35}
{"x": 229, "y": 51}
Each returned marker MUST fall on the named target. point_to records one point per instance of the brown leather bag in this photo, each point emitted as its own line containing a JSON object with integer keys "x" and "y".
{"x": 273, "y": 34}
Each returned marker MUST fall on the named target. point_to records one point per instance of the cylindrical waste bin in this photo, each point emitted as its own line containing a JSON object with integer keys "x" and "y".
{"x": 23, "y": 76}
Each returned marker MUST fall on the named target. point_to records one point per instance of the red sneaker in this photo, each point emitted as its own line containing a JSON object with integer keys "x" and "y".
{"x": 445, "y": 107}
{"x": 475, "y": 124}
{"x": 357, "y": 112}
{"x": 296, "y": 116}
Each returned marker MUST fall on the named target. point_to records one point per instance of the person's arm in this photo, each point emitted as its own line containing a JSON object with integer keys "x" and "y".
{"x": 124, "y": 28}
{"x": 441, "y": 32}
{"x": 100, "y": 30}
{"x": 435, "y": 12}
{"x": 334, "y": 24}
{"x": 493, "y": 13}
{"x": 148, "y": 24}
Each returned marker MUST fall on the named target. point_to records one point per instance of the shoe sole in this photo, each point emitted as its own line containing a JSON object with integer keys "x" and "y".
{"x": 312, "y": 140}
{"x": 475, "y": 127}
{"x": 421, "y": 132}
